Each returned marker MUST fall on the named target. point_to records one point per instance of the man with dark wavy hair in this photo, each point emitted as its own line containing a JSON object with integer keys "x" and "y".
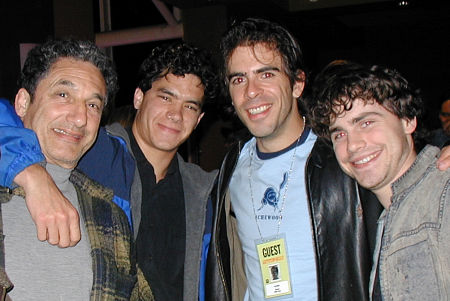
{"x": 371, "y": 116}
{"x": 65, "y": 85}
{"x": 166, "y": 199}
{"x": 281, "y": 193}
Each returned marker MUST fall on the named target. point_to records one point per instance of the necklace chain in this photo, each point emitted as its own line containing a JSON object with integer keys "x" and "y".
{"x": 251, "y": 150}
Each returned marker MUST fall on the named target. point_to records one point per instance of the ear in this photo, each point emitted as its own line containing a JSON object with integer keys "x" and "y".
{"x": 299, "y": 84}
{"x": 138, "y": 98}
{"x": 409, "y": 125}
{"x": 199, "y": 118}
{"x": 22, "y": 102}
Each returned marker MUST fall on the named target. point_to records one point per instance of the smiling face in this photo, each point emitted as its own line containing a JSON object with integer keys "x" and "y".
{"x": 263, "y": 96}
{"x": 373, "y": 146}
{"x": 167, "y": 113}
{"x": 65, "y": 111}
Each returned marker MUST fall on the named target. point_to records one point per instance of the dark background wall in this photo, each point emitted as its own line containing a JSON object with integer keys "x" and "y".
{"x": 414, "y": 39}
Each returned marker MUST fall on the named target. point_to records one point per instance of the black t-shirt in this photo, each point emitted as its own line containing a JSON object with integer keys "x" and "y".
{"x": 161, "y": 239}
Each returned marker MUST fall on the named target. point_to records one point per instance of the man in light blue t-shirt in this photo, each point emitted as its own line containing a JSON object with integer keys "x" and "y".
{"x": 280, "y": 193}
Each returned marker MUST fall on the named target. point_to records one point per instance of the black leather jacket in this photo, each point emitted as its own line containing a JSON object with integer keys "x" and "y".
{"x": 343, "y": 242}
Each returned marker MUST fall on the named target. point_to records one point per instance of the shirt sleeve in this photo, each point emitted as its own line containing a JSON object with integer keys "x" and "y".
{"x": 19, "y": 147}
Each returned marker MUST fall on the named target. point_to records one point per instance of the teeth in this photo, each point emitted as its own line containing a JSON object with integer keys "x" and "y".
{"x": 254, "y": 111}
{"x": 365, "y": 160}
{"x": 60, "y": 131}
{"x": 66, "y": 133}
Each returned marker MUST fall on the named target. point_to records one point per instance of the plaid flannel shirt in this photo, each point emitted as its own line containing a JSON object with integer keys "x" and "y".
{"x": 110, "y": 238}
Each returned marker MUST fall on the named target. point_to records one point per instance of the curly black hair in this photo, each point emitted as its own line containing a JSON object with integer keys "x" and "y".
{"x": 251, "y": 32}
{"x": 340, "y": 83}
{"x": 41, "y": 58}
{"x": 178, "y": 59}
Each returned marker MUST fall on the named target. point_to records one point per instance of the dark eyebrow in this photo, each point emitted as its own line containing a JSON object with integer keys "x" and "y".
{"x": 166, "y": 91}
{"x": 355, "y": 120}
{"x": 260, "y": 70}
{"x": 65, "y": 82}
{"x": 231, "y": 75}
{"x": 267, "y": 68}
{"x": 334, "y": 129}
{"x": 363, "y": 116}
{"x": 195, "y": 102}
{"x": 102, "y": 98}
{"x": 68, "y": 83}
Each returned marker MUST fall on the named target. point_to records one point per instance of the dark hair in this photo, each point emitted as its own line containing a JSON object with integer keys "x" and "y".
{"x": 41, "y": 58}
{"x": 251, "y": 32}
{"x": 340, "y": 83}
{"x": 178, "y": 59}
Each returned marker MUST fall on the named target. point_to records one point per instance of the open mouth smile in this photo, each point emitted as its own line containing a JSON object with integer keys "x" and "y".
{"x": 63, "y": 132}
{"x": 258, "y": 110}
{"x": 366, "y": 159}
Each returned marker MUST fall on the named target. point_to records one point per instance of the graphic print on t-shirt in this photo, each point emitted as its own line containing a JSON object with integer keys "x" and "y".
{"x": 271, "y": 196}
{"x": 248, "y": 187}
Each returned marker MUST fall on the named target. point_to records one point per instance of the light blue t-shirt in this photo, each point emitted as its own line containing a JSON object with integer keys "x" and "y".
{"x": 270, "y": 171}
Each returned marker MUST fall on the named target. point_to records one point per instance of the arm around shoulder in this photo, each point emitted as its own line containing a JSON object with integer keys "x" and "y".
{"x": 56, "y": 219}
{"x": 19, "y": 147}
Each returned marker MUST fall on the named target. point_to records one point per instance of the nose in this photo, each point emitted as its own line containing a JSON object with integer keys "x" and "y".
{"x": 253, "y": 89}
{"x": 174, "y": 114}
{"x": 355, "y": 142}
{"x": 78, "y": 114}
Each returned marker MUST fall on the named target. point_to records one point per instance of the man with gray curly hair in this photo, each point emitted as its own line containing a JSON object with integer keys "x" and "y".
{"x": 65, "y": 85}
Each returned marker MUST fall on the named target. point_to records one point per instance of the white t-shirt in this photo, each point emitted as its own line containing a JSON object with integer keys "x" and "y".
{"x": 269, "y": 175}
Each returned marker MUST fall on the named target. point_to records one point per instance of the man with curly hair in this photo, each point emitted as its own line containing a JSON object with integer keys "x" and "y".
{"x": 371, "y": 116}
{"x": 64, "y": 88}
{"x": 166, "y": 199}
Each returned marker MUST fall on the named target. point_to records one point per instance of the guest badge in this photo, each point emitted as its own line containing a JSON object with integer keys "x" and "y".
{"x": 274, "y": 264}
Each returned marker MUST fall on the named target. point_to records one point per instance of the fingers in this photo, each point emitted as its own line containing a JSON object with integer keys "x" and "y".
{"x": 443, "y": 164}
{"x": 53, "y": 234}
{"x": 444, "y": 160}
{"x": 41, "y": 232}
{"x": 62, "y": 231}
{"x": 64, "y": 237}
{"x": 57, "y": 221}
{"x": 75, "y": 233}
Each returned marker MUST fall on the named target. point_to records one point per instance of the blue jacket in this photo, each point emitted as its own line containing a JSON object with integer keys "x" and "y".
{"x": 19, "y": 148}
